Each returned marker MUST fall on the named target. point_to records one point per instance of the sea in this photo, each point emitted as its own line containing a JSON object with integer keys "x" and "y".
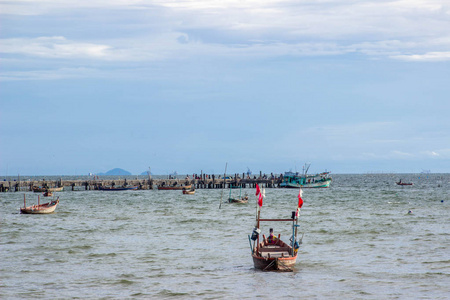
{"x": 363, "y": 238}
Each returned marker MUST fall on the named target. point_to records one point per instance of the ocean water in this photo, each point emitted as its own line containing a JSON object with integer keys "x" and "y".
{"x": 359, "y": 242}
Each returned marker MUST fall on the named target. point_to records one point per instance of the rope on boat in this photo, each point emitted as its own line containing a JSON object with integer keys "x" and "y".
{"x": 270, "y": 265}
{"x": 283, "y": 267}
{"x": 279, "y": 266}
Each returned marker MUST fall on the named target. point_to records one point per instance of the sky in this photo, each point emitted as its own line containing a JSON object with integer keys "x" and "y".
{"x": 191, "y": 86}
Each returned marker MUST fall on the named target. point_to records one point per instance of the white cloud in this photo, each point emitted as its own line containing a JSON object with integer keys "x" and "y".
{"x": 401, "y": 154}
{"x": 49, "y": 74}
{"x": 430, "y": 56}
{"x": 233, "y": 28}
{"x": 439, "y": 153}
{"x": 363, "y": 141}
{"x": 41, "y": 7}
{"x": 53, "y": 47}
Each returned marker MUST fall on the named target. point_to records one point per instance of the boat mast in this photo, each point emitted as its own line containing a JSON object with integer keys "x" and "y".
{"x": 306, "y": 168}
{"x": 224, "y": 175}
{"x": 258, "y": 212}
{"x": 295, "y": 230}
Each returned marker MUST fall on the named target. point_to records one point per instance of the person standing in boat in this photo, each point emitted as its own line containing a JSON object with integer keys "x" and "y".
{"x": 272, "y": 239}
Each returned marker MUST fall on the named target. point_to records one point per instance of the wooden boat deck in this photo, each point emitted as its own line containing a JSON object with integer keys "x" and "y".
{"x": 274, "y": 251}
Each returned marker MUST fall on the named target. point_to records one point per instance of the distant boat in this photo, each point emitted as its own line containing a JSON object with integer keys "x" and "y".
{"x": 189, "y": 192}
{"x": 45, "y": 208}
{"x": 112, "y": 188}
{"x": 404, "y": 183}
{"x": 296, "y": 180}
{"x": 175, "y": 187}
{"x": 48, "y": 194}
{"x": 45, "y": 189}
{"x": 321, "y": 180}
{"x": 241, "y": 199}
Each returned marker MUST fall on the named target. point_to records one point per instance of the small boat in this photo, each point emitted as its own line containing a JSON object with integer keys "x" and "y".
{"x": 236, "y": 200}
{"x": 404, "y": 183}
{"x": 175, "y": 187}
{"x": 273, "y": 254}
{"x": 189, "y": 192}
{"x": 45, "y": 208}
{"x": 45, "y": 189}
{"x": 48, "y": 194}
{"x": 241, "y": 199}
{"x": 122, "y": 188}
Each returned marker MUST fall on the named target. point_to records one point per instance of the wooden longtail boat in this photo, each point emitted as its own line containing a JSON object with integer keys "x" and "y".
{"x": 176, "y": 187}
{"x": 44, "y": 189}
{"x": 404, "y": 183}
{"x": 48, "y": 194}
{"x": 272, "y": 254}
{"x": 45, "y": 208}
{"x": 236, "y": 200}
{"x": 111, "y": 188}
{"x": 241, "y": 199}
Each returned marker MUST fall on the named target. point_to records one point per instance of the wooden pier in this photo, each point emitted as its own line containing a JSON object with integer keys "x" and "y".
{"x": 142, "y": 184}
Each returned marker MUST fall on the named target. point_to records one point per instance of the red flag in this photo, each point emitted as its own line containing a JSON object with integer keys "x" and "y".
{"x": 300, "y": 200}
{"x": 258, "y": 191}
{"x": 260, "y": 199}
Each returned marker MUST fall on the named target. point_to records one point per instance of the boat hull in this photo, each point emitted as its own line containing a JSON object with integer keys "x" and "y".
{"x": 118, "y": 189}
{"x": 46, "y": 208}
{"x": 175, "y": 188}
{"x": 40, "y": 189}
{"x": 275, "y": 263}
{"x": 324, "y": 184}
{"x": 274, "y": 256}
{"x": 234, "y": 200}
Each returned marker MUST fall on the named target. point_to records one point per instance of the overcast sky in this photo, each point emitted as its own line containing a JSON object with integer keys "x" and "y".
{"x": 349, "y": 86}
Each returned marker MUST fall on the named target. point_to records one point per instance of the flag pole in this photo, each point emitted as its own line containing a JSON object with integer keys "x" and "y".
{"x": 258, "y": 212}
{"x": 299, "y": 206}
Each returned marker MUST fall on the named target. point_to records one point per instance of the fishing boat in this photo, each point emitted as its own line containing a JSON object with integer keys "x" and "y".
{"x": 404, "y": 183}
{"x": 48, "y": 194}
{"x": 305, "y": 180}
{"x": 174, "y": 187}
{"x": 45, "y": 208}
{"x": 112, "y": 188}
{"x": 241, "y": 199}
{"x": 271, "y": 253}
{"x": 39, "y": 189}
{"x": 188, "y": 192}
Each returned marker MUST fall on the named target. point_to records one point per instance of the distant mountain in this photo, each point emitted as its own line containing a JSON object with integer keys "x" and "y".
{"x": 116, "y": 171}
{"x": 146, "y": 173}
